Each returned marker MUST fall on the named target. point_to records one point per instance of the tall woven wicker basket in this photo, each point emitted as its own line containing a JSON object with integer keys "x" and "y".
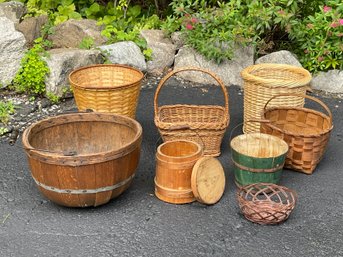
{"x": 306, "y": 132}
{"x": 204, "y": 124}
{"x": 263, "y": 81}
{"x": 107, "y": 88}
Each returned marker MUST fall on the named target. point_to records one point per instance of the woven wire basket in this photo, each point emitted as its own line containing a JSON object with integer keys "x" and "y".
{"x": 263, "y": 81}
{"x": 266, "y": 203}
{"x": 306, "y": 131}
{"x": 204, "y": 124}
{"x": 107, "y": 88}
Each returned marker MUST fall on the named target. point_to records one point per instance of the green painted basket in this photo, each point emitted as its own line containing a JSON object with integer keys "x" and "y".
{"x": 258, "y": 158}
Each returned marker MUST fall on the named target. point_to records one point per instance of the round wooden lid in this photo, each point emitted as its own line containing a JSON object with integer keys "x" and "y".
{"x": 208, "y": 180}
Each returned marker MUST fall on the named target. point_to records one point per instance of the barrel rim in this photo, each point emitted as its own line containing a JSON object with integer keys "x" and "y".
{"x": 100, "y": 156}
{"x": 199, "y": 150}
{"x": 281, "y": 141}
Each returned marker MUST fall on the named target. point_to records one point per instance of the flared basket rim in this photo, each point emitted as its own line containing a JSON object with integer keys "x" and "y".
{"x": 77, "y": 85}
{"x": 276, "y": 83}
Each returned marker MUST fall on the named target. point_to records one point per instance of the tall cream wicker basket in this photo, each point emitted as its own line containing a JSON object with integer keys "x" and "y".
{"x": 263, "y": 81}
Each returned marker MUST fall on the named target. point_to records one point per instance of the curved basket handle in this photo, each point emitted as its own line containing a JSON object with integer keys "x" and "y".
{"x": 170, "y": 74}
{"x": 305, "y": 96}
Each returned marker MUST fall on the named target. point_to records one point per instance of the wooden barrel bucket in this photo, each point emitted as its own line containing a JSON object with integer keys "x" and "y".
{"x": 174, "y": 165}
{"x": 83, "y": 159}
{"x": 258, "y": 158}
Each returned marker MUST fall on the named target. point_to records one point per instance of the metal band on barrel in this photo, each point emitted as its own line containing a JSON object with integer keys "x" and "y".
{"x": 84, "y": 191}
{"x": 278, "y": 167}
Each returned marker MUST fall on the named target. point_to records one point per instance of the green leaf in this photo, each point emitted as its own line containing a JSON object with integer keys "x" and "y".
{"x": 92, "y": 10}
{"x": 66, "y": 2}
{"x": 134, "y": 11}
{"x": 61, "y": 18}
{"x": 75, "y": 15}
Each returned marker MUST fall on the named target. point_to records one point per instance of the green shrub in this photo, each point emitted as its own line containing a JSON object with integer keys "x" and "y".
{"x": 87, "y": 43}
{"x": 6, "y": 109}
{"x": 52, "y": 97}
{"x": 300, "y": 26}
{"x": 318, "y": 39}
{"x": 215, "y": 30}
{"x": 31, "y": 76}
{"x": 3, "y": 130}
{"x": 122, "y": 19}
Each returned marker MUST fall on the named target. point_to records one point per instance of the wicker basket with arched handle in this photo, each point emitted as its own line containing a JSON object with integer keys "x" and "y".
{"x": 189, "y": 122}
{"x": 306, "y": 131}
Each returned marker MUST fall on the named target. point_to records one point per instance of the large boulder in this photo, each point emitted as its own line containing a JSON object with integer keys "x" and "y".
{"x": 12, "y": 49}
{"x": 70, "y": 34}
{"x": 126, "y": 52}
{"x": 13, "y": 10}
{"x": 31, "y": 27}
{"x": 163, "y": 51}
{"x": 331, "y": 81}
{"x": 62, "y": 61}
{"x": 228, "y": 70}
{"x": 281, "y": 57}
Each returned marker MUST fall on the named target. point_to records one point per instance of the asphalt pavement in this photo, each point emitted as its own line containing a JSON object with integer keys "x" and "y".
{"x": 138, "y": 224}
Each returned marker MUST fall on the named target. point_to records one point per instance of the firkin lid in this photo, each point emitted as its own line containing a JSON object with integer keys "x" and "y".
{"x": 208, "y": 180}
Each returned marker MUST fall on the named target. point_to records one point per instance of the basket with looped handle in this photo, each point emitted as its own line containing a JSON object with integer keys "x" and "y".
{"x": 109, "y": 88}
{"x": 266, "y": 203}
{"x": 204, "y": 124}
{"x": 306, "y": 132}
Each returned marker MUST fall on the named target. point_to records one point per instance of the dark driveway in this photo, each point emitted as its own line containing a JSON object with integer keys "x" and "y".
{"x": 138, "y": 224}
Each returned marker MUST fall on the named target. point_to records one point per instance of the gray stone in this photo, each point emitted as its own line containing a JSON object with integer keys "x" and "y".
{"x": 282, "y": 57}
{"x": 31, "y": 27}
{"x": 25, "y": 109}
{"x": 163, "y": 51}
{"x": 12, "y": 48}
{"x": 177, "y": 39}
{"x": 126, "y": 52}
{"x": 228, "y": 70}
{"x": 70, "y": 34}
{"x": 331, "y": 81}
{"x": 13, "y": 10}
{"x": 62, "y": 61}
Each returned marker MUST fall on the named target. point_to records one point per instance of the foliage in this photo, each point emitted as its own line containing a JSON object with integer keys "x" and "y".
{"x": 6, "y": 109}
{"x": 214, "y": 29}
{"x": 126, "y": 24}
{"x": 319, "y": 38}
{"x": 31, "y": 75}
{"x": 3, "y": 130}
{"x": 121, "y": 19}
{"x": 87, "y": 43}
{"x": 52, "y": 97}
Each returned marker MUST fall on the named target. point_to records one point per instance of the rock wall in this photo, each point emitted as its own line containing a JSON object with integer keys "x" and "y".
{"x": 167, "y": 52}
